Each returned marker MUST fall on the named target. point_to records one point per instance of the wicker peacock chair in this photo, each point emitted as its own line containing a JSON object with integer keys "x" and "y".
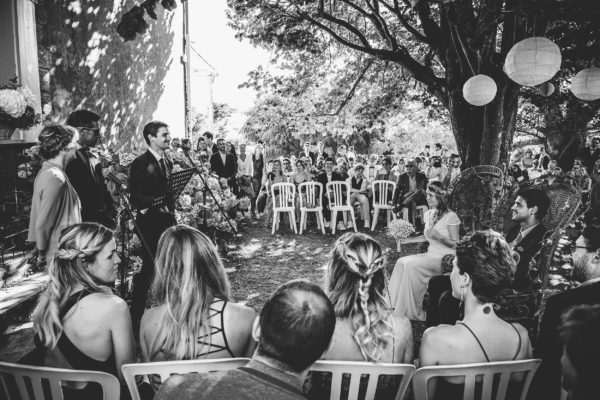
{"x": 474, "y": 195}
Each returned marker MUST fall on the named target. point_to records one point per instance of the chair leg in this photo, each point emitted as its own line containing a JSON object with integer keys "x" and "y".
{"x": 302, "y": 216}
{"x": 375, "y": 216}
{"x": 293, "y": 221}
{"x": 275, "y": 215}
{"x": 345, "y": 217}
{"x": 353, "y": 220}
{"x": 320, "y": 221}
{"x": 389, "y": 216}
{"x": 405, "y": 214}
{"x": 333, "y": 221}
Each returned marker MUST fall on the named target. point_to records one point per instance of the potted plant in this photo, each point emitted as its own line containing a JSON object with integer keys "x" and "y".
{"x": 16, "y": 109}
{"x": 400, "y": 229}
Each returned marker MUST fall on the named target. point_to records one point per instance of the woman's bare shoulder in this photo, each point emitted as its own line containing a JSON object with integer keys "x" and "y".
{"x": 236, "y": 310}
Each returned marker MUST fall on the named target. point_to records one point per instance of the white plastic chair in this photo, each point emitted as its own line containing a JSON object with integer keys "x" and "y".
{"x": 338, "y": 194}
{"x": 472, "y": 373}
{"x": 311, "y": 194}
{"x": 382, "y": 196}
{"x": 26, "y": 376}
{"x": 283, "y": 202}
{"x": 356, "y": 370}
{"x": 167, "y": 368}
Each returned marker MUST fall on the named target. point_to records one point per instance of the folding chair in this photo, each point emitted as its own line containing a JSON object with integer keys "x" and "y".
{"x": 338, "y": 194}
{"x": 283, "y": 201}
{"x": 310, "y": 194}
{"x": 382, "y": 196}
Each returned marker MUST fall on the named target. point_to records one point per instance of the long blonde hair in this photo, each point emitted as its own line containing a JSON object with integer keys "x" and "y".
{"x": 189, "y": 276}
{"x": 77, "y": 247}
{"x": 356, "y": 286}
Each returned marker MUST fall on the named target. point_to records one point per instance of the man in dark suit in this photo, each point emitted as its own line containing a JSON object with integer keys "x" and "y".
{"x": 320, "y": 152}
{"x": 525, "y": 238}
{"x": 307, "y": 153}
{"x": 224, "y": 165}
{"x": 149, "y": 181}
{"x": 410, "y": 188}
{"x": 85, "y": 171}
{"x": 329, "y": 175}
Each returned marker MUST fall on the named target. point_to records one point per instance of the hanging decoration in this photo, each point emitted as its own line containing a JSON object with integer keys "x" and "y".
{"x": 533, "y": 61}
{"x": 586, "y": 84}
{"x": 479, "y": 90}
{"x": 546, "y": 89}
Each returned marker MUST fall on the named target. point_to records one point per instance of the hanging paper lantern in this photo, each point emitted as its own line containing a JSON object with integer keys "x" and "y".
{"x": 533, "y": 61}
{"x": 586, "y": 84}
{"x": 546, "y": 89}
{"x": 479, "y": 90}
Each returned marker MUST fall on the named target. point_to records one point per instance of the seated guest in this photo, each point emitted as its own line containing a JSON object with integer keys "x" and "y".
{"x": 452, "y": 171}
{"x": 287, "y": 168}
{"x": 79, "y": 323}
{"x": 273, "y": 177}
{"x": 307, "y": 153}
{"x": 525, "y": 238}
{"x": 483, "y": 266}
{"x": 359, "y": 187}
{"x": 194, "y": 318}
{"x": 579, "y": 332}
{"x": 294, "y": 330}
{"x": 410, "y": 188}
{"x": 385, "y": 173}
{"x": 546, "y": 382}
{"x": 408, "y": 282}
{"x": 342, "y": 168}
{"x": 527, "y": 160}
{"x": 329, "y": 175}
{"x": 320, "y": 153}
{"x": 534, "y": 172}
{"x": 261, "y": 198}
{"x": 518, "y": 175}
{"x": 436, "y": 171}
{"x": 300, "y": 176}
{"x": 366, "y": 328}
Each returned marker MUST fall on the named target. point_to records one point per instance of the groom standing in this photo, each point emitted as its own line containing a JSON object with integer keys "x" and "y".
{"x": 148, "y": 181}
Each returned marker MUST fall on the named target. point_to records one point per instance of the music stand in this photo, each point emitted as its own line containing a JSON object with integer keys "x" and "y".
{"x": 177, "y": 182}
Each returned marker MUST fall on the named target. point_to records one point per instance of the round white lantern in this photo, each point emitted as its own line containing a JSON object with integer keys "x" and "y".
{"x": 479, "y": 90}
{"x": 532, "y": 61}
{"x": 546, "y": 89}
{"x": 586, "y": 84}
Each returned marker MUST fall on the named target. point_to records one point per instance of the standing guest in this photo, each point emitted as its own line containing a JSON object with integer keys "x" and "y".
{"x": 436, "y": 171}
{"x": 245, "y": 172}
{"x": 55, "y": 204}
{"x": 202, "y": 151}
{"x": 329, "y": 175}
{"x": 261, "y": 198}
{"x": 224, "y": 165}
{"x": 411, "y": 274}
{"x": 410, "y": 188}
{"x": 388, "y": 151}
{"x": 590, "y": 154}
{"x": 437, "y": 150}
{"x": 426, "y": 151}
{"x": 359, "y": 187}
{"x": 258, "y": 166}
{"x": 543, "y": 158}
{"x": 446, "y": 156}
{"x": 581, "y": 179}
{"x": 85, "y": 171}
{"x": 202, "y": 324}
{"x": 320, "y": 152}
{"x": 211, "y": 146}
{"x": 294, "y": 330}
{"x": 452, "y": 171}
{"x": 78, "y": 322}
{"x": 483, "y": 266}
{"x": 307, "y": 153}
{"x": 366, "y": 327}
{"x": 579, "y": 332}
{"x": 148, "y": 183}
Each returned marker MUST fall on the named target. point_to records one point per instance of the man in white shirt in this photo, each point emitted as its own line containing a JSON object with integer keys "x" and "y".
{"x": 245, "y": 171}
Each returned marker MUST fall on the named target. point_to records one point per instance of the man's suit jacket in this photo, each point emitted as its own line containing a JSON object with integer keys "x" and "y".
{"x": 147, "y": 182}
{"x": 403, "y": 184}
{"x": 317, "y": 155}
{"x": 312, "y": 156}
{"x": 526, "y": 248}
{"x": 223, "y": 171}
{"x": 322, "y": 179}
{"x": 96, "y": 202}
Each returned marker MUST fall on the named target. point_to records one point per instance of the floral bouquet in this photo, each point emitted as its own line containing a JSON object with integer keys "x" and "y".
{"x": 16, "y": 108}
{"x": 400, "y": 229}
{"x": 28, "y": 169}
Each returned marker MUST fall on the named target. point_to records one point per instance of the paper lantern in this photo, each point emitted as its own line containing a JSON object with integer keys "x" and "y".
{"x": 479, "y": 90}
{"x": 586, "y": 84}
{"x": 546, "y": 89}
{"x": 533, "y": 61}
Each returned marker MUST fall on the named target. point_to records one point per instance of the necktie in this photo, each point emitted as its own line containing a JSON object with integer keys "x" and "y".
{"x": 87, "y": 156}
{"x": 163, "y": 167}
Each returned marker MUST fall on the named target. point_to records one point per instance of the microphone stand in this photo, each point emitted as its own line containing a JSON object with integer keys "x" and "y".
{"x": 186, "y": 151}
{"x": 127, "y": 213}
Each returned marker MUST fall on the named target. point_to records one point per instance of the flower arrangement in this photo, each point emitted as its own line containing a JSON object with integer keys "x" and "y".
{"x": 16, "y": 108}
{"x": 31, "y": 164}
{"x": 400, "y": 229}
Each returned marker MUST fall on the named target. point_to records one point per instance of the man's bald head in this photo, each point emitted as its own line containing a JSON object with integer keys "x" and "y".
{"x": 296, "y": 325}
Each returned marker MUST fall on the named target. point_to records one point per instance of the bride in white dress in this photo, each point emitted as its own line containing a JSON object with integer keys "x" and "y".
{"x": 411, "y": 274}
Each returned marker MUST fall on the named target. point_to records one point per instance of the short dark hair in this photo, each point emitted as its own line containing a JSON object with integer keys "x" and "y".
{"x": 82, "y": 118}
{"x": 438, "y": 145}
{"x": 591, "y": 234}
{"x": 208, "y": 135}
{"x": 489, "y": 261}
{"x": 296, "y": 325}
{"x": 152, "y": 128}
{"x": 220, "y": 140}
{"x": 387, "y": 160}
{"x": 579, "y": 332}
{"x": 539, "y": 198}
{"x": 53, "y": 139}
{"x": 330, "y": 159}
{"x": 427, "y": 146}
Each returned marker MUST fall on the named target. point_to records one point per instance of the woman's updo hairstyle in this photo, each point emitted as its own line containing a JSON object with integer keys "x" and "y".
{"x": 53, "y": 139}
{"x": 489, "y": 261}
{"x": 441, "y": 194}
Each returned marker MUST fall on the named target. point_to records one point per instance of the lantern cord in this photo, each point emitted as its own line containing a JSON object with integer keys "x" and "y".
{"x": 464, "y": 50}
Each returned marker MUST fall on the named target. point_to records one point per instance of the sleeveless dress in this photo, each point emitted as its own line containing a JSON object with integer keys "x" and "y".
{"x": 408, "y": 283}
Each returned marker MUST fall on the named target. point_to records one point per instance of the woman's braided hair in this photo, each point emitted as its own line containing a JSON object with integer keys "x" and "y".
{"x": 356, "y": 287}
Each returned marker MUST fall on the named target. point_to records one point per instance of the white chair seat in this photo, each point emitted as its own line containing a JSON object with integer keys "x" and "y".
{"x": 283, "y": 202}
{"x": 338, "y": 194}
{"x": 311, "y": 193}
{"x": 382, "y": 195}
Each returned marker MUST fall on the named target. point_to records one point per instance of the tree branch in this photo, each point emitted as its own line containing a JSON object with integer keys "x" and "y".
{"x": 418, "y": 35}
